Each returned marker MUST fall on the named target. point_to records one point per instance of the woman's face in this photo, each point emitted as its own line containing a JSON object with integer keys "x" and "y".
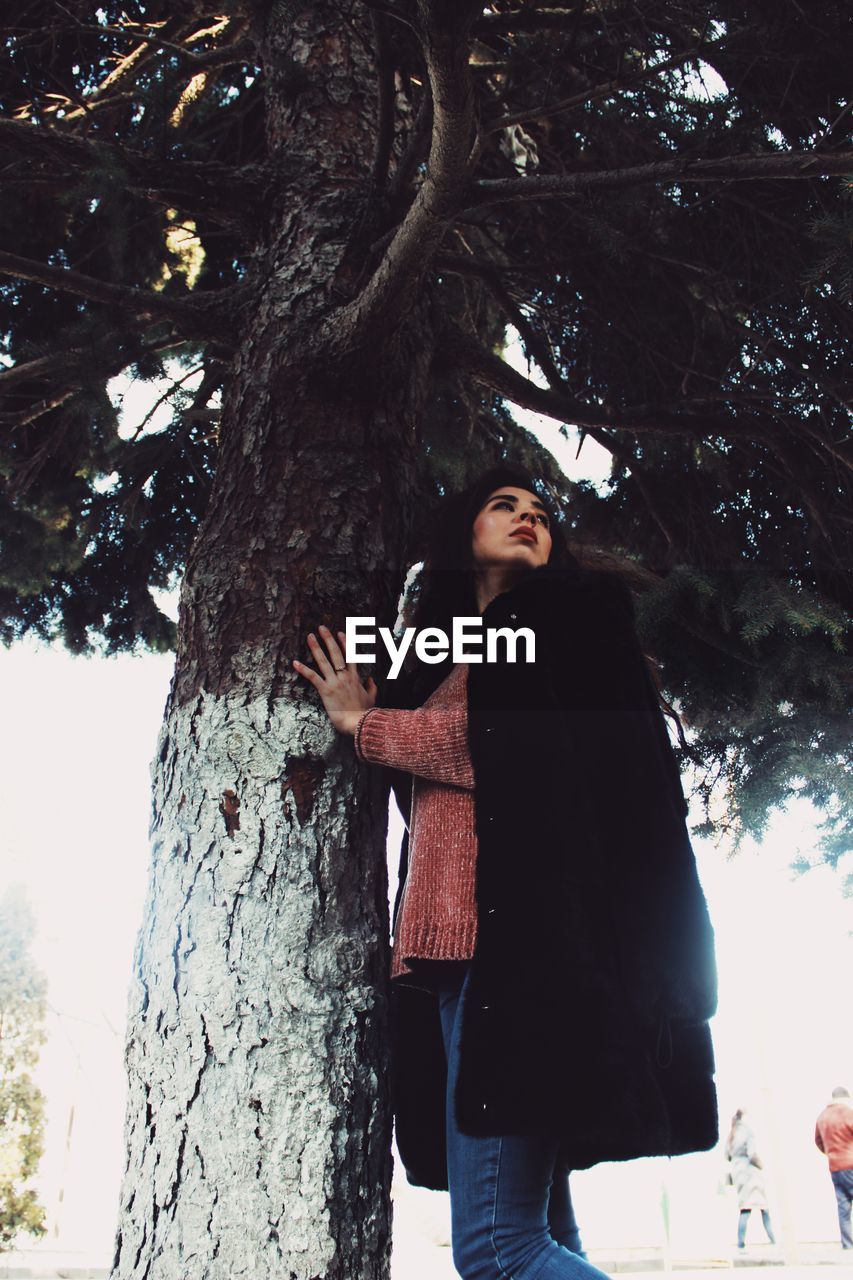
{"x": 511, "y": 530}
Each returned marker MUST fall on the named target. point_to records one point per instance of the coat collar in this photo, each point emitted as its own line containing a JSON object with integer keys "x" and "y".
{"x": 543, "y": 577}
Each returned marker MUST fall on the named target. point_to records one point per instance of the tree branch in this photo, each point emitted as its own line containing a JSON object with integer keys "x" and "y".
{"x": 543, "y": 19}
{"x": 112, "y": 355}
{"x": 197, "y": 317}
{"x": 460, "y": 352}
{"x": 220, "y": 187}
{"x": 594, "y": 92}
{"x": 617, "y": 449}
{"x": 24, "y": 417}
{"x": 792, "y": 164}
{"x": 133, "y": 63}
{"x": 228, "y": 53}
{"x": 41, "y": 367}
{"x": 383, "y": 301}
{"x": 386, "y": 96}
{"x": 174, "y": 385}
{"x": 535, "y": 344}
{"x": 390, "y": 11}
{"x": 415, "y": 148}
{"x": 471, "y": 265}
{"x": 769, "y": 347}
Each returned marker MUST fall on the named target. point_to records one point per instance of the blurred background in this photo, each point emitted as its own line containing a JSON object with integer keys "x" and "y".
{"x": 74, "y": 760}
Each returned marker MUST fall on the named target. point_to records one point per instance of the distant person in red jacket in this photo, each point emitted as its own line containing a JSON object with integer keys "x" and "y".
{"x": 834, "y": 1136}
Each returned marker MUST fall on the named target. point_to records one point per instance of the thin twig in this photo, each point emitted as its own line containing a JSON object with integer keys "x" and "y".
{"x": 686, "y": 170}
{"x": 593, "y": 94}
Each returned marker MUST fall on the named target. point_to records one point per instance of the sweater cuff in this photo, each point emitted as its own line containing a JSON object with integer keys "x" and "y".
{"x": 359, "y": 729}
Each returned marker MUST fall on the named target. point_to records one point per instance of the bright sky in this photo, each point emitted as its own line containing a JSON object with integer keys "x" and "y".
{"x": 74, "y": 788}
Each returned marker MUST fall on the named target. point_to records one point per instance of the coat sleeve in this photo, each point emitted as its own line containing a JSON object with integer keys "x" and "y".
{"x": 625, "y": 783}
{"x": 429, "y": 742}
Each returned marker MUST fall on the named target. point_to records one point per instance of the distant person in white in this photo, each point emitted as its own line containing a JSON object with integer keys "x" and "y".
{"x": 747, "y": 1177}
{"x": 833, "y": 1136}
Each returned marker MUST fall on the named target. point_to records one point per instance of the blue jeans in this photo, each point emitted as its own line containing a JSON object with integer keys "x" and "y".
{"x": 510, "y": 1207}
{"x": 842, "y": 1180}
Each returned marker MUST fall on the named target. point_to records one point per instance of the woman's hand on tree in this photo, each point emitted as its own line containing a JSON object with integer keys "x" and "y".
{"x": 343, "y": 695}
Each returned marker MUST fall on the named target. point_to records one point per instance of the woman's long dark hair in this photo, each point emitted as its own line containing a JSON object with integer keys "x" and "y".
{"x": 446, "y": 585}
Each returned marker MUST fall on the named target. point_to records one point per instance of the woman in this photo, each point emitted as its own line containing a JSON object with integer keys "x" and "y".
{"x": 747, "y": 1174}
{"x": 553, "y": 963}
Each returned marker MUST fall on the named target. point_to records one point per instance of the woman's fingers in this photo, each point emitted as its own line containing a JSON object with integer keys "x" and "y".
{"x": 308, "y": 672}
{"x": 319, "y": 656}
{"x": 334, "y": 663}
{"x": 335, "y": 653}
{"x": 342, "y": 640}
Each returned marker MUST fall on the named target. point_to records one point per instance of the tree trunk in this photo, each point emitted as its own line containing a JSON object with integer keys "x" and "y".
{"x": 258, "y": 1126}
{"x": 258, "y": 1129}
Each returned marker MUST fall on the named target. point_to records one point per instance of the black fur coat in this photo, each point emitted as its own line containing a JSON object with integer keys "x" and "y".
{"x": 593, "y": 977}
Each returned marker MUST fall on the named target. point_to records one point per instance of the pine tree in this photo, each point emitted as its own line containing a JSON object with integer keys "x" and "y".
{"x": 309, "y": 227}
{"x": 22, "y": 1012}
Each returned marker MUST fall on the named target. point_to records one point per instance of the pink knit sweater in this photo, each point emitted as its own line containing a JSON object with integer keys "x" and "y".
{"x": 437, "y": 919}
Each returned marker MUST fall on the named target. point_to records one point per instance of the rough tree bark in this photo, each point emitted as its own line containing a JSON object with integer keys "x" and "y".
{"x": 258, "y": 1130}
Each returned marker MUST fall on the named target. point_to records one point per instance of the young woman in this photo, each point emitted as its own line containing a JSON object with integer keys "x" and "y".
{"x": 553, "y": 965}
